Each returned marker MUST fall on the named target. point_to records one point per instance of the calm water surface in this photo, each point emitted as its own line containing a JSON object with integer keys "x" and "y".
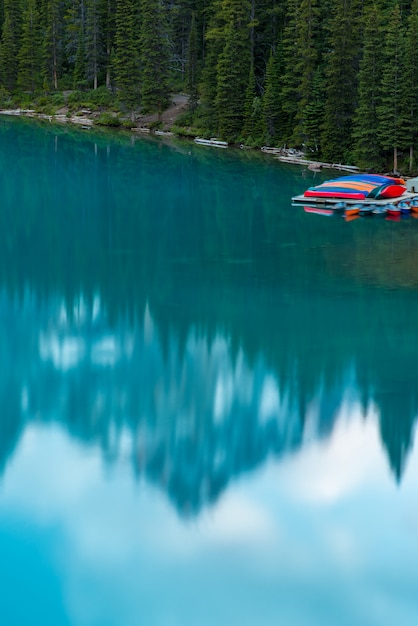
{"x": 208, "y": 397}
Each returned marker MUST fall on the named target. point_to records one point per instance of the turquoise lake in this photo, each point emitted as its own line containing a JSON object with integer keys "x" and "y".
{"x": 208, "y": 397}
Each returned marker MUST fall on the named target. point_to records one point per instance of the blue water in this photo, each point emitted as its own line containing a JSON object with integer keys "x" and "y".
{"x": 208, "y": 397}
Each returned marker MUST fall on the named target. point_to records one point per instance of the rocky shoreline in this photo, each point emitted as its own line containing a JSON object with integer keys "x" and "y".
{"x": 86, "y": 119}
{"x": 81, "y": 120}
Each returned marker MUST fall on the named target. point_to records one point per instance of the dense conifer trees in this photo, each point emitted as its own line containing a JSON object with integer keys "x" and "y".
{"x": 126, "y": 60}
{"x": 154, "y": 55}
{"x": 335, "y": 77}
{"x": 192, "y": 66}
{"x": 275, "y": 117}
{"x": 392, "y": 111}
{"x": 30, "y": 52}
{"x": 367, "y": 148}
{"x": 10, "y": 43}
{"x": 411, "y": 73}
{"x": 341, "y": 74}
{"x": 53, "y": 41}
{"x": 233, "y": 67}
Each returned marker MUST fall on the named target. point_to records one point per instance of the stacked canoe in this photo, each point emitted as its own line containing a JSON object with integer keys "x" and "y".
{"x": 364, "y": 187}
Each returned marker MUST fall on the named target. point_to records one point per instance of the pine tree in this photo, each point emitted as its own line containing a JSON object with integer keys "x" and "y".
{"x": 1, "y": 15}
{"x": 73, "y": 32}
{"x": 304, "y": 65}
{"x": 93, "y": 42}
{"x": 250, "y": 100}
{"x": 233, "y": 68}
{"x": 392, "y": 110}
{"x": 53, "y": 41}
{"x": 30, "y": 54}
{"x": 10, "y": 44}
{"x": 126, "y": 59}
{"x": 276, "y": 120}
{"x": 367, "y": 149}
{"x": 214, "y": 42}
{"x": 192, "y": 66}
{"x": 154, "y": 56}
{"x": 178, "y": 31}
{"x": 411, "y": 80}
{"x": 314, "y": 114}
{"x": 289, "y": 54}
{"x": 253, "y": 111}
{"x": 107, "y": 19}
{"x": 268, "y": 23}
{"x": 80, "y": 70}
{"x": 341, "y": 79}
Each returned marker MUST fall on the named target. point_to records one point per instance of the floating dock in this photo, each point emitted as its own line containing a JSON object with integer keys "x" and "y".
{"x": 330, "y": 202}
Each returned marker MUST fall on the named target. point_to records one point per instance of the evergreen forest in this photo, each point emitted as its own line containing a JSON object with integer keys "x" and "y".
{"x": 335, "y": 78}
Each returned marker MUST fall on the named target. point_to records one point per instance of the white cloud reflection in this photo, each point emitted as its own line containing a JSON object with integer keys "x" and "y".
{"x": 316, "y": 529}
{"x": 326, "y": 471}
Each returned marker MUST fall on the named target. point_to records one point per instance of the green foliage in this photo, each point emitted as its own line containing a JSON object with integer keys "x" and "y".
{"x": 93, "y": 44}
{"x": 185, "y": 118}
{"x": 126, "y": 58}
{"x": 305, "y": 65}
{"x": 233, "y": 68}
{"x": 392, "y": 110}
{"x": 367, "y": 149}
{"x": 275, "y": 119}
{"x": 10, "y": 43}
{"x": 192, "y": 66}
{"x": 53, "y": 28}
{"x": 101, "y": 96}
{"x": 214, "y": 41}
{"x": 57, "y": 100}
{"x": 183, "y": 131}
{"x": 252, "y": 106}
{"x": 156, "y": 125}
{"x": 80, "y": 75}
{"x": 107, "y": 119}
{"x": 411, "y": 72}
{"x": 5, "y": 98}
{"x": 154, "y": 56}
{"x": 341, "y": 75}
{"x": 30, "y": 53}
{"x": 94, "y": 99}
{"x": 313, "y": 114}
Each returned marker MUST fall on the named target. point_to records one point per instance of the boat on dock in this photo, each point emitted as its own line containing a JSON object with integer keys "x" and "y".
{"x": 367, "y": 209}
{"x": 414, "y": 204}
{"x": 379, "y": 210}
{"x": 404, "y": 206}
{"x": 393, "y": 209}
{"x": 359, "y": 187}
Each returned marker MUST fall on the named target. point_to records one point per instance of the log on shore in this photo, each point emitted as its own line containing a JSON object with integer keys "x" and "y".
{"x": 317, "y": 165}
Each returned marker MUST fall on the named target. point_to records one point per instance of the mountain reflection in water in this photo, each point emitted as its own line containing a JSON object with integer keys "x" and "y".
{"x": 201, "y": 321}
{"x": 191, "y": 410}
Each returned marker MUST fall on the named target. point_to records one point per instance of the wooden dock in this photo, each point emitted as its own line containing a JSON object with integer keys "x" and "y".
{"x": 316, "y": 165}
